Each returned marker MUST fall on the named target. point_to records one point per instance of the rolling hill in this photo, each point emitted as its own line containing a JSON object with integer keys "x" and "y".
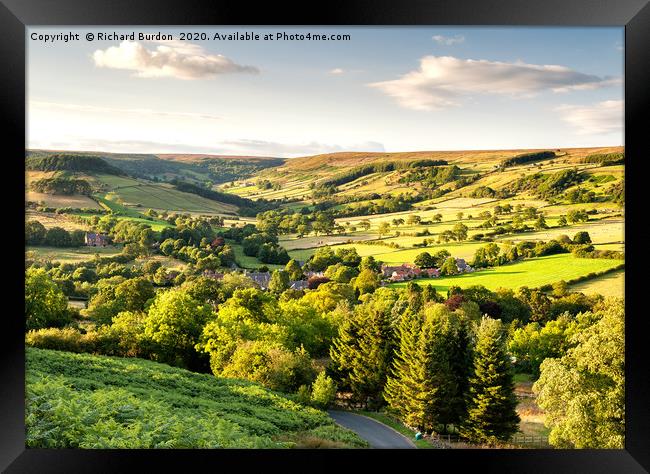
{"x": 87, "y": 401}
{"x": 297, "y": 176}
{"x": 198, "y": 168}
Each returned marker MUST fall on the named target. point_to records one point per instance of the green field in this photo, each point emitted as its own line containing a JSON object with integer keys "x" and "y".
{"x": 605, "y": 231}
{"x": 56, "y": 200}
{"x": 395, "y": 255}
{"x": 155, "y": 224}
{"x": 534, "y": 272}
{"x": 87, "y": 401}
{"x": 251, "y": 263}
{"x": 73, "y": 255}
{"x": 134, "y": 193}
{"x": 612, "y": 284}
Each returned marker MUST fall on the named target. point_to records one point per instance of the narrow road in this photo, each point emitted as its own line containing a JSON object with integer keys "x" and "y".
{"x": 376, "y": 433}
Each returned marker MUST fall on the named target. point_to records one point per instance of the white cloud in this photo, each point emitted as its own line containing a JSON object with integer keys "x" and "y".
{"x": 120, "y": 111}
{"x": 243, "y": 147}
{"x": 442, "y": 81}
{"x": 336, "y": 71}
{"x": 601, "y": 118}
{"x": 448, "y": 40}
{"x": 169, "y": 59}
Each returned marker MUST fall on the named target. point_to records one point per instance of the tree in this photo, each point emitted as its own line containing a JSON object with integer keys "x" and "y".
{"x": 57, "y": 237}
{"x": 366, "y": 282}
{"x": 425, "y": 260}
{"x": 323, "y": 258}
{"x": 369, "y": 263}
{"x": 430, "y": 369}
{"x": 45, "y": 303}
{"x": 460, "y": 231}
{"x": 449, "y": 267}
{"x": 341, "y": 273}
{"x": 561, "y": 222}
{"x": 491, "y": 414}
{"x": 413, "y": 219}
{"x": 364, "y": 224}
{"x": 134, "y": 293}
{"x": 323, "y": 391}
{"x": 348, "y": 256}
{"x": 34, "y": 233}
{"x": 429, "y": 294}
{"x": 537, "y": 301}
{"x": 174, "y": 322}
{"x": 575, "y": 215}
{"x": 460, "y": 216}
{"x": 279, "y": 281}
{"x": 582, "y": 237}
{"x": 540, "y": 223}
{"x": 84, "y": 274}
{"x": 398, "y": 222}
{"x": 440, "y": 256}
{"x": 294, "y": 270}
{"x": 583, "y": 392}
{"x": 532, "y": 344}
{"x": 362, "y": 352}
{"x": 384, "y": 228}
{"x": 407, "y": 389}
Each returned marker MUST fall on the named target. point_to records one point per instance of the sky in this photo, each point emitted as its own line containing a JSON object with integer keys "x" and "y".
{"x": 383, "y": 89}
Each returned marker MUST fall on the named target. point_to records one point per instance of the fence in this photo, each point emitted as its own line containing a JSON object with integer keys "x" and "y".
{"x": 528, "y": 441}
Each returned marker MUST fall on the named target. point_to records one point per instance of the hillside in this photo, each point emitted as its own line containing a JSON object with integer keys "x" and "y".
{"x": 70, "y": 162}
{"x": 85, "y": 401}
{"x": 297, "y": 177}
{"x": 197, "y": 168}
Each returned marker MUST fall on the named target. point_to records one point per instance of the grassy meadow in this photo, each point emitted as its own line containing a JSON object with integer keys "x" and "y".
{"x": 534, "y": 272}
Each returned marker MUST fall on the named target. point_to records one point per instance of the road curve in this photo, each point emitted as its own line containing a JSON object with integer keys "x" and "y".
{"x": 376, "y": 433}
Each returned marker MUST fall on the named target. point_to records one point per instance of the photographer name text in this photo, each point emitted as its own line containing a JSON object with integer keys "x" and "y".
{"x": 186, "y": 36}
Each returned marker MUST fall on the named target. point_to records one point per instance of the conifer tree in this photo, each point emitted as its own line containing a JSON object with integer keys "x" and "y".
{"x": 429, "y": 294}
{"x": 423, "y": 386}
{"x": 371, "y": 364}
{"x": 362, "y": 352}
{"x": 404, "y": 384}
{"x": 343, "y": 353}
{"x": 491, "y": 414}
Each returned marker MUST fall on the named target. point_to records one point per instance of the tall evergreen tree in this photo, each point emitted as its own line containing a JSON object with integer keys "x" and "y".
{"x": 362, "y": 352}
{"x": 491, "y": 414}
{"x": 423, "y": 386}
{"x": 405, "y": 385}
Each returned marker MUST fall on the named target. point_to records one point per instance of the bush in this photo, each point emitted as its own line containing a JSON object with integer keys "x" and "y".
{"x": 323, "y": 391}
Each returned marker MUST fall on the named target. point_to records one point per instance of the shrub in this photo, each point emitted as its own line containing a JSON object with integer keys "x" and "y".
{"x": 323, "y": 391}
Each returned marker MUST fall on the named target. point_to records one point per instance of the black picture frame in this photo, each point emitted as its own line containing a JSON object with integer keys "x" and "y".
{"x": 16, "y": 15}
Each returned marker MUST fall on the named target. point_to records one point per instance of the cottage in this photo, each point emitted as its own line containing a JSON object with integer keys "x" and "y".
{"x": 431, "y": 272}
{"x": 214, "y": 275}
{"x": 261, "y": 278}
{"x": 402, "y": 272}
{"x": 95, "y": 240}
{"x": 310, "y": 274}
{"x": 463, "y": 266}
{"x": 299, "y": 285}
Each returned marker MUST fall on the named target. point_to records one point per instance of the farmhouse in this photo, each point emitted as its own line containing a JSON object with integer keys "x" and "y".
{"x": 463, "y": 266}
{"x": 310, "y": 274}
{"x": 261, "y": 278}
{"x": 299, "y": 285}
{"x": 95, "y": 240}
{"x": 213, "y": 274}
{"x": 400, "y": 272}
